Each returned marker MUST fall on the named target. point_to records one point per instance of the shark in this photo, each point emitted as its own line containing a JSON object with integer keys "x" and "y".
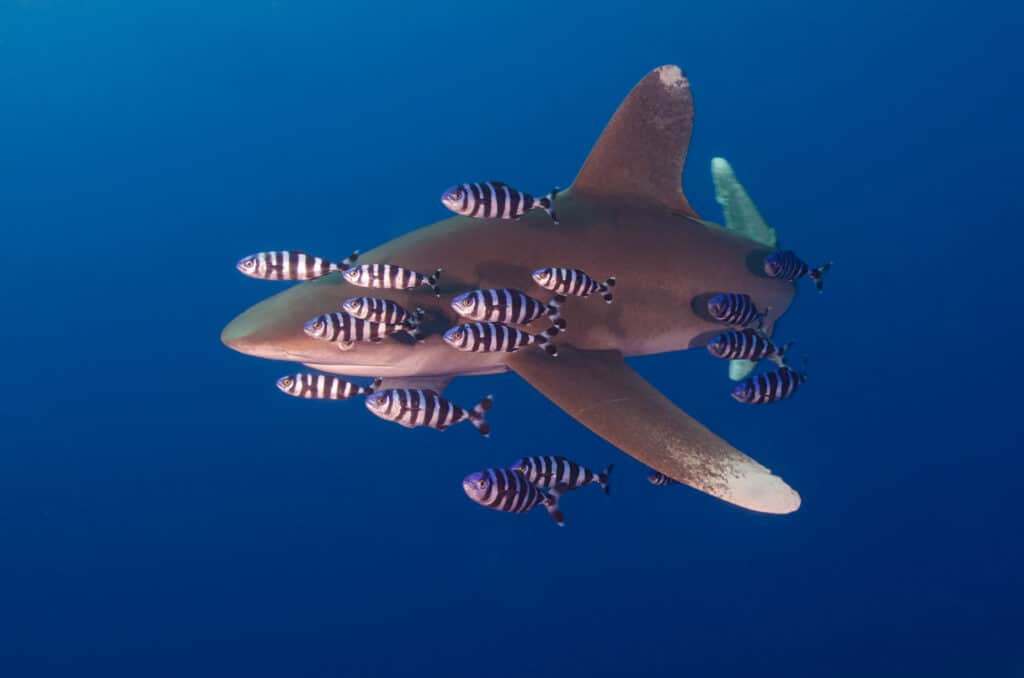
{"x": 625, "y": 214}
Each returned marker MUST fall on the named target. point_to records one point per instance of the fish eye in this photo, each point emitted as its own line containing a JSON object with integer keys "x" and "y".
{"x": 318, "y": 325}
{"x": 482, "y": 483}
{"x": 286, "y": 382}
{"x": 467, "y": 302}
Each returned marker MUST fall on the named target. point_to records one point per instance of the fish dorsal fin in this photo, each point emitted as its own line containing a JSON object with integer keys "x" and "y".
{"x": 639, "y": 156}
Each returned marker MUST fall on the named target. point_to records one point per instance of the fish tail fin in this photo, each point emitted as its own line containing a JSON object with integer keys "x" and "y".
{"x": 602, "y": 478}
{"x": 348, "y": 261}
{"x": 432, "y": 281}
{"x": 555, "y": 312}
{"x": 779, "y": 358}
{"x": 551, "y": 504}
{"x": 476, "y": 416}
{"x": 547, "y": 203}
{"x": 544, "y": 340}
{"x": 818, "y": 275}
{"x": 606, "y": 289}
{"x": 412, "y": 325}
{"x": 369, "y": 388}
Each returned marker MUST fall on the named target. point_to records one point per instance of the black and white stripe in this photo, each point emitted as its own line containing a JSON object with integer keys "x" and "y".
{"x": 551, "y": 471}
{"x": 747, "y": 344}
{"x": 573, "y": 281}
{"x": 508, "y": 490}
{"x": 660, "y": 479}
{"x": 290, "y": 265}
{"x": 489, "y": 337}
{"x": 769, "y": 387}
{"x": 733, "y": 308}
{"x": 495, "y": 200}
{"x": 320, "y": 386}
{"x": 346, "y": 330}
{"x": 378, "y": 310}
{"x": 412, "y": 407}
{"x": 788, "y": 266}
{"x": 389, "y": 277}
{"x": 507, "y": 305}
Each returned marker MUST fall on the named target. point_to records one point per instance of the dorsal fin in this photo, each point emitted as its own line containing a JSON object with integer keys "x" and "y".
{"x": 639, "y": 156}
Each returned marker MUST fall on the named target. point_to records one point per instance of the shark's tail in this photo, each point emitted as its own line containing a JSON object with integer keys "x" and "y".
{"x": 606, "y": 289}
{"x": 544, "y": 340}
{"x": 551, "y": 504}
{"x": 602, "y": 478}
{"x": 431, "y": 282}
{"x": 476, "y": 416}
{"x": 547, "y": 203}
{"x": 555, "y": 312}
{"x": 818, "y": 275}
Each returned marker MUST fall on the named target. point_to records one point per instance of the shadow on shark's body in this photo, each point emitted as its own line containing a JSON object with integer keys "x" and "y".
{"x": 625, "y": 215}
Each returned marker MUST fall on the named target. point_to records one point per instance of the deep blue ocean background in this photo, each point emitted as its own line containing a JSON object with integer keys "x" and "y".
{"x": 164, "y": 511}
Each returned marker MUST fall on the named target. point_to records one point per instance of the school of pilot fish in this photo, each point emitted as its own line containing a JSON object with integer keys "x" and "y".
{"x": 494, "y": 319}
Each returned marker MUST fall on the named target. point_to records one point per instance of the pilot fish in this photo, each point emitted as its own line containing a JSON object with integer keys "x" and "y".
{"x": 384, "y": 311}
{"x": 573, "y": 281}
{"x": 558, "y": 472}
{"x": 660, "y": 479}
{"x": 389, "y": 277}
{"x": 320, "y": 386}
{"x": 290, "y": 265}
{"x": 747, "y": 344}
{"x": 769, "y": 387}
{"x": 736, "y": 309}
{"x": 412, "y": 407}
{"x": 486, "y": 337}
{"x": 508, "y": 490}
{"x": 495, "y": 200}
{"x": 345, "y": 330}
{"x": 788, "y": 266}
{"x": 507, "y": 305}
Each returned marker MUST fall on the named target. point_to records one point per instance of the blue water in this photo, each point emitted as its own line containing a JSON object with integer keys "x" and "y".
{"x": 164, "y": 511}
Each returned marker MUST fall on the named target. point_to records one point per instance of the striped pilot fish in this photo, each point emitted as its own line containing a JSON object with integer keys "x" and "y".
{"x": 390, "y": 277}
{"x": 412, "y": 407}
{"x": 507, "y": 305}
{"x": 290, "y": 265}
{"x": 660, "y": 479}
{"x": 573, "y": 281}
{"x": 487, "y": 337}
{"x": 320, "y": 386}
{"x": 346, "y": 330}
{"x": 495, "y": 200}
{"x": 737, "y": 309}
{"x": 769, "y": 387}
{"x": 747, "y": 344}
{"x": 508, "y": 490}
{"x": 386, "y": 312}
{"x": 788, "y": 266}
{"x": 558, "y": 472}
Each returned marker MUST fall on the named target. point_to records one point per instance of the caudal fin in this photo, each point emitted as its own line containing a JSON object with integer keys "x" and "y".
{"x": 544, "y": 340}
{"x": 547, "y": 203}
{"x": 779, "y": 357}
{"x": 602, "y": 478}
{"x": 818, "y": 275}
{"x": 347, "y": 262}
{"x": 432, "y": 282}
{"x": 551, "y": 504}
{"x": 606, "y": 289}
{"x": 412, "y": 325}
{"x": 369, "y": 389}
{"x": 554, "y": 312}
{"x": 476, "y": 416}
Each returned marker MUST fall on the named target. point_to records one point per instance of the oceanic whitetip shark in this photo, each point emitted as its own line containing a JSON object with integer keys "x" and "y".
{"x": 624, "y": 215}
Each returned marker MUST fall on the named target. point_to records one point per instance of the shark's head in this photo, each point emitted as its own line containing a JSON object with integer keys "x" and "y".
{"x": 718, "y": 346}
{"x": 456, "y": 198}
{"x": 248, "y": 266}
{"x": 476, "y": 486}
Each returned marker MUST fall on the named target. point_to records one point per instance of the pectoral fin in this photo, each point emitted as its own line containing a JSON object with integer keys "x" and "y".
{"x": 603, "y": 393}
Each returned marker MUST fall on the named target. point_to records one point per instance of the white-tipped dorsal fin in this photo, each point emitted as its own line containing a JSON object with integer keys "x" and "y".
{"x": 639, "y": 156}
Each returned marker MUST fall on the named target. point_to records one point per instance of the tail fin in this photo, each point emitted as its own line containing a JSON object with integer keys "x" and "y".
{"x": 432, "y": 282}
{"x": 602, "y": 478}
{"x": 547, "y": 203}
{"x": 412, "y": 325}
{"x": 476, "y": 416}
{"x": 606, "y": 289}
{"x": 369, "y": 389}
{"x": 347, "y": 262}
{"x": 818, "y": 275}
{"x": 779, "y": 357}
{"x": 555, "y": 312}
{"x": 544, "y": 340}
{"x": 551, "y": 504}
